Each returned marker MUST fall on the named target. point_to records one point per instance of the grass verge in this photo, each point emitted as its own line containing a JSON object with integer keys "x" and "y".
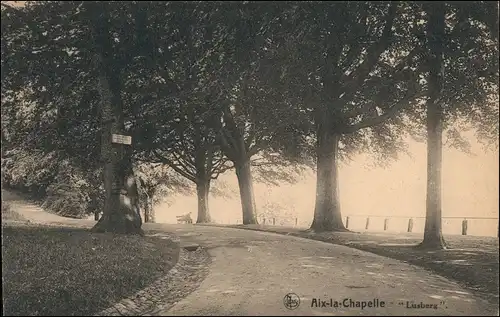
{"x": 471, "y": 261}
{"x": 72, "y": 272}
{"x": 8, "y": 214}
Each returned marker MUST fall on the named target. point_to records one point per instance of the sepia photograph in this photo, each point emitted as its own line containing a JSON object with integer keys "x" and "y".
{"x": 250, "y": 158}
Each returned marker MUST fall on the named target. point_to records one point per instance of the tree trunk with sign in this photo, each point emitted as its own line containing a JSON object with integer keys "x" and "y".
{"x": 121, "y": 208}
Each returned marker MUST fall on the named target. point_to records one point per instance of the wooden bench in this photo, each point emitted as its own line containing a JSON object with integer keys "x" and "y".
{"x": 184, "y": 218}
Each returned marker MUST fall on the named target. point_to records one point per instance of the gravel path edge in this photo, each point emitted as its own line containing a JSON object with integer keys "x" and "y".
{"x": 184, "y": 278}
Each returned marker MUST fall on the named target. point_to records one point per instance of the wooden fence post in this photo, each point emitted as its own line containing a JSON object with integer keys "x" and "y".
{"x": 347, "y": 222}
{"x": 296, "y": 222}
{"x": 367, "y": 223}
{"x": 464, "y": 227}
{"x": 410, "y": 225}
{"x": 386, "y": 221}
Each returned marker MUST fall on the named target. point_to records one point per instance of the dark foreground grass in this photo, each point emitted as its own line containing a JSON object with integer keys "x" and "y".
{"x": 72, "y": 272}
{"x": 471, "y": 261}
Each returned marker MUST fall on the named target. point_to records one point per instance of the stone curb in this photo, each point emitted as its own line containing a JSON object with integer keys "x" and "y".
{"x": 179, "y": 282}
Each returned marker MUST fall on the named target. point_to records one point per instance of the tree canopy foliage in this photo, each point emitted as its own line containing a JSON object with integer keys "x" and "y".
{"x": 204, "y": 87}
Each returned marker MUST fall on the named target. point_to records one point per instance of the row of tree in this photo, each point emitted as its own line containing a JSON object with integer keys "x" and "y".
{"x": 205, "y": 87}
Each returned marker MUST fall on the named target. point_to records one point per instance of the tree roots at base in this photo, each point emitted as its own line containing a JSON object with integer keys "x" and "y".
{"x": 127, "y": 227}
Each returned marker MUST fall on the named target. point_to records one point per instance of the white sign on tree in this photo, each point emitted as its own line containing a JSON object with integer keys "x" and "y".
{"x": 121, "y": 139}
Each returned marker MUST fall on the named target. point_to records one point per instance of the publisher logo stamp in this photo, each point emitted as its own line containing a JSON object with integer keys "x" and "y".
{"x": 291, "y": 301}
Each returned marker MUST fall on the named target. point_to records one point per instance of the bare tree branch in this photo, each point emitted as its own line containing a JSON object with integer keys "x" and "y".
{"x": 356, "y": 78}
{"x": 394, "y": 109}
{"x": 218, "y": 165}
{"x": 355, "y": 46}
{"x": 233, "y": 135}
{"x": 221, "y": 171}
{"x": 398, "y": 72}
{"x": 183, "y": 163}
{"x": 228, "y": 150}
{"x": 174, "y": 166}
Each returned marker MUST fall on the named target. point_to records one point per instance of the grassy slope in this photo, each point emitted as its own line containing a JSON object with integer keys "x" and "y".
{"x": 63, "y": 271}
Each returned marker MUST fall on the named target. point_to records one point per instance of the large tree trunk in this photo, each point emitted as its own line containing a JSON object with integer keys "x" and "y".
{"x": 146, "y": 210}
{"x": 151, "y": 213}
{"x": 121, "y": 213}
{"x": 244, "y": 175}
{"x": 203, "y": 163}
{"x": 327, "y": 216}
{"x": 202, "y": 191}
{"x": 148, "y": 205}
{"x": 234, "y": 146}
{"x": 433, "y": 236}
{"x": 121, "y": 210}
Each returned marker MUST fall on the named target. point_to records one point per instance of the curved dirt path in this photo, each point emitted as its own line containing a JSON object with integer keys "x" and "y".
{"x": 251, "y": 272}
{"x": 36, "y": 215}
